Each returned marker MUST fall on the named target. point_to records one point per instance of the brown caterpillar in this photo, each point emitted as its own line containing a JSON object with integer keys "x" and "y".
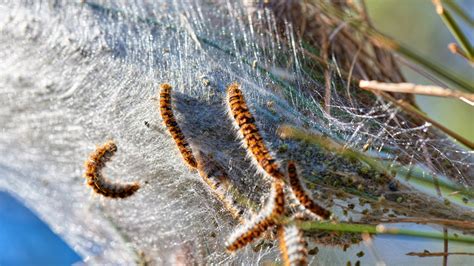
{"x": 298, "y": 210}
{"x": 248, "y": 131}
{"x": 256, "y": 226}
{"x": 302, "y": 195}
{"x": 219, "y": 183}
{"x": 173, "y": 127}
{"x": 292, "y": 245}
{"x": 99, "y": 183}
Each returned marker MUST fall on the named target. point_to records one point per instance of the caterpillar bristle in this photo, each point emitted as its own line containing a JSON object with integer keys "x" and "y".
{"x": 219, "y": 183}
{"x": 293, "y": 246}
{"x": 169, "y": 120}
{"x": 298, "y": 210}
{"x": 302, "y": 195}
{"x": 99, "y": 183}
{"x": 244, "y": 123}
{"x": 257, "y": 225}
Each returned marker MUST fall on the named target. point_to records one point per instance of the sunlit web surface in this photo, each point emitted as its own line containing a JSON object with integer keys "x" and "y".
{"x": 76, "y": 74}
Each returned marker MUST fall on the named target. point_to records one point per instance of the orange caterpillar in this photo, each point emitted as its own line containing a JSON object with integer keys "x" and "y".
{"x": 218, "y": 181}
{"x": 99, "y": 183}
{"x": 173, "y": 127}
{"x": 292, "y": 245}
{"x": 256, "y": 226}
{"x": 248, "y": 131}
{"x": 302, "y": 195}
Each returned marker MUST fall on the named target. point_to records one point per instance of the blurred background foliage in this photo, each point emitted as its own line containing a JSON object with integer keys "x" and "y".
{"x": 416, "y": 24}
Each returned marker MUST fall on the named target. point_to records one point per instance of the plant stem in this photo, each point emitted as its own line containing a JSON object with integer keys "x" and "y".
{"x": 389, "y": 43}
{"x": 420, "y": 115}
{"x": 286, "y": 131}
{"x": 456, "y": 31}
{"x": 416, "y": 89}
{"x": 380, "y": 230}
{"x": 444, "y": 73}
{"x": 438, "y": 254}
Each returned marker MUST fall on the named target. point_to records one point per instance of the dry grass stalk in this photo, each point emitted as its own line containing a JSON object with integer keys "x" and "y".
{"x": 417, "y": 89}
{"x": 417, "y": 114}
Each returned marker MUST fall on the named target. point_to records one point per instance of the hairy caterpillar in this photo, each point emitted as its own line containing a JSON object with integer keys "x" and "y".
{"x": 218, "y": 181}
{"x": 302, "y": 195}
{"x": 297, "y": 209}
{"x": 99, "y": 183}
{"x": 248, "y": 131}
{"x": 173, "y": 127}
{"x": 292, "y": 245}
{"x": 257, "y": 225}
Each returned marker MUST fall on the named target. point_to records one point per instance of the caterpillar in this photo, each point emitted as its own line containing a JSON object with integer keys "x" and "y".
{"x": 219, "y": 183}
{"x": 298, "y": 210}
{"x": 169, "y": 120}
{"x": 100, "y": 184}
{"x": 244, "y": 123}
{"x": 302, "y": 195}
{"x": 292, "y": 245}
{"x": 257, "y": 225}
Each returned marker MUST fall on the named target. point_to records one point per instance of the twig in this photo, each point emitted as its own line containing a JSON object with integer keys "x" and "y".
{"x": 286, "y": 131}
{"x": 327, "y": 74}
{"x": 454, "y": 48}
{"x": 434, "y": 68}
{"x": 445, "y": 257}
{"x": 349, "y": 78}
{"x": 438, "y": 254}
{"x": 410, "y": 110}
{"x": 384, "y": 41}
{"x": 416, "y": 89}
{"x": 378, "y": 229}
{"x": 457, "y": 223}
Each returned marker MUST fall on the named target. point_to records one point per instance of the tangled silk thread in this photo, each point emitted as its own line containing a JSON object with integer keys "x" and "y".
{"x": 291, "y": 240}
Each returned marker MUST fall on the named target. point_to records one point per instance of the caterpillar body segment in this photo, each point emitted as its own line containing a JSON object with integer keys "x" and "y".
{"x": 244, "y": 122}
{"x": 293, "y": 246}
{"x": 169, "y": 120}
{"x": 218, "y": 181}
{"x": 302, "y": 194}
{"x": 98, "y": 182}
{"x": 296, "y": 208}
{"x": 257, "y": 225}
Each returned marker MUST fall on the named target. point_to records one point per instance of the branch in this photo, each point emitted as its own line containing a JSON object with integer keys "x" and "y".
{"x": 417, "y": 89}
